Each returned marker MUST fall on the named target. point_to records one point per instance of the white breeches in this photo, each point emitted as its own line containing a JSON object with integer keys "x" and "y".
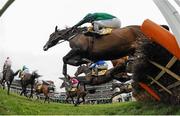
{"x": 74, "y": 85}
{"x": 111, "y": 23}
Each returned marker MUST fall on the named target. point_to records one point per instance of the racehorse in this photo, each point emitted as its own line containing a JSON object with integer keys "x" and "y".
{"x": 121, "y": 42}
{"x": 97, "y": 80}
{"x": 28, "y": 79}
{"x": 79, "y": 92}
{"x": 8, "y": 78}
{"x": 44, "y": 88}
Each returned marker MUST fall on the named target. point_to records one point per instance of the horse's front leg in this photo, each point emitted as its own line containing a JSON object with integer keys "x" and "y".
{"x": 25, "y": 91}
{"x": 83, "y": 99}
{"x": 67, "y": 59}
{"x": 65, "y": 69}
{"x": 72, "y": 100}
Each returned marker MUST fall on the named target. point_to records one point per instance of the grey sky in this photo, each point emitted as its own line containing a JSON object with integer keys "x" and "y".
{"x": 26, "y": 25}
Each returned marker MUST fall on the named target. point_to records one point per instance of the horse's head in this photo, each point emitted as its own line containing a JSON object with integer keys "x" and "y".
{"x": 55, "y": 37}
{"x": 82, "y": 69}
{"x": 65, "y": 84}
{"x": 59, "y": 36}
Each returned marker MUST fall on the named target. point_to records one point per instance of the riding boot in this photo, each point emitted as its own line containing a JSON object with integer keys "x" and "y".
{"x": 96, "y": 72}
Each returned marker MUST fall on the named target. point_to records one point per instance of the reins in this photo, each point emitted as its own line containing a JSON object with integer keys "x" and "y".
{"x": 68, "y": 38}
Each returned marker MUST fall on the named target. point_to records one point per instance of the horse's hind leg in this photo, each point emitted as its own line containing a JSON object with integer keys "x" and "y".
{"x": 83, "y": 99}
{"x": 72, "y": 100}
{"x": 67, "y": 99}
{"x": 25, "y": 92}
{"x": 45, "y": 99}
{"x": 21, "y": 93}
{"x": 48, "y": 99}
{"x": 3, "y": 84}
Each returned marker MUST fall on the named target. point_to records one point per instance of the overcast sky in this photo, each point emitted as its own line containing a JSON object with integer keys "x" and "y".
{"x": 26, "y": 25}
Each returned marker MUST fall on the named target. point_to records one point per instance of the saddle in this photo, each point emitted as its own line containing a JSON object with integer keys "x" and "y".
{"x": 129, "y": 86}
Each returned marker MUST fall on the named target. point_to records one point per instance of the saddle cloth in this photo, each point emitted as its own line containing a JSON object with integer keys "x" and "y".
{"x": 129, "y": 86}
{"x": 100, "y": 73}
{"x": 105, "y": 31}
{"x": 73, "y": 89}
{"x": 39, "y": 86}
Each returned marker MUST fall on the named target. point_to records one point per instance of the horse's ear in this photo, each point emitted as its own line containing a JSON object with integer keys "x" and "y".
{"x": 40, "y": 75}
{"x": 61, "y": 78}
{"x": 56, "y": 28}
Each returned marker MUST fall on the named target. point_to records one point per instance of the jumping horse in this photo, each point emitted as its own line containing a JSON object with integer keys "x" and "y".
{"x": 121, "y": 42}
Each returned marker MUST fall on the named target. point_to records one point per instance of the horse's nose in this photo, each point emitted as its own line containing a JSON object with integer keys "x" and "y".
{"x": 45, "y": 48}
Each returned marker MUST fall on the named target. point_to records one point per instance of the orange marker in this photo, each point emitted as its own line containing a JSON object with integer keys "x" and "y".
{"x": 149, "y": 90}
{"x": 161, "y": 36}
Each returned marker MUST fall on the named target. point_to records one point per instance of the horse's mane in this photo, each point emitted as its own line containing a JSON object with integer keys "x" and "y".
{"x": 148, "y": 50}
{"x": 69, "y": 32}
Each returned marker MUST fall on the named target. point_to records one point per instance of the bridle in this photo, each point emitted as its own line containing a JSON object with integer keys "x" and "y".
{"x": 65, "y": 33}
{"x": 68, "y": 38}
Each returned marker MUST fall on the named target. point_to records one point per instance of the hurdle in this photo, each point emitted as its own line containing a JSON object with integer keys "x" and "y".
{"x": 167, "y": 40}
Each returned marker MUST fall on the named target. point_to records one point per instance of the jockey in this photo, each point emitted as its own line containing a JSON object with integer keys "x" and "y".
{"x": 100, "y": 20}
{"x": 6, "y": 66}
{"x": 99, "y": 65}
{"x": 7, "y": 63}
{"x": 24, "y": 71}
{"x": 74, "y": 82}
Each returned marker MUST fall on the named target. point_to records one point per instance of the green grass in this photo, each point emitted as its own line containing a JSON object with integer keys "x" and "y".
{"x": 15, "y": 104}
